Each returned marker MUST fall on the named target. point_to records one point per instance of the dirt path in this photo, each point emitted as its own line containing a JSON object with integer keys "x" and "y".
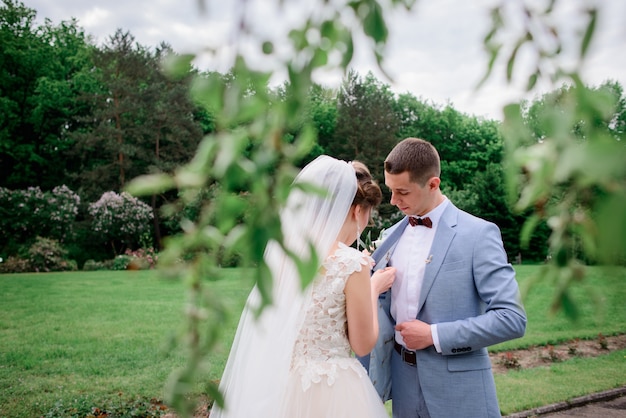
{"x": 538, "y": 356}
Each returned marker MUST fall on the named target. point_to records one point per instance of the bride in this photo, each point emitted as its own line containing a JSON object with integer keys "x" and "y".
{"x": 295, "y": 360}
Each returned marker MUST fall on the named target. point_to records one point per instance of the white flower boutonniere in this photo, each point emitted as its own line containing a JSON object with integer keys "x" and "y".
{"x": 372, "y": 245}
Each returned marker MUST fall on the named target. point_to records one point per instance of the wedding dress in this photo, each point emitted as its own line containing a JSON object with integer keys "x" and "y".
{"x": 325, "y": 380}
{"x": 294, "y": 360}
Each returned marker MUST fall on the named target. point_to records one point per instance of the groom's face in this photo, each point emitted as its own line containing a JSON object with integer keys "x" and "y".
{"x": 411, "y": 198}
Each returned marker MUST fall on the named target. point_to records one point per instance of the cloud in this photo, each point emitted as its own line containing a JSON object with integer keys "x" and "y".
{"x": 435, "y": 52}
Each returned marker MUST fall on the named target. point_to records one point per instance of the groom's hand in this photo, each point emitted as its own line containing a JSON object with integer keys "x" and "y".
{"x": 416, "y": 334}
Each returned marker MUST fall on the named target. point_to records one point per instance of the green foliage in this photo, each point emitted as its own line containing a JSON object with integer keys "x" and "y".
{"x": 366, "y": 123}
{"x": 121, "y": 262}
{"x": 565, "y": 153}
{"x": 139, "y": 121}
{"x": 92, "y": 265}
{"x": 118, "y": 408}
{"x": 141, "y": 259}
{"x": 87, "y": 243}
{"x": 44, "y": 255}
{"x": 26, "y": 214}
{"x": 43, "y": 68}
{"x": 486, "y": 197}
{"x": 466, "y": 144}
{"x": 573, "y": 178}
{"x": 323, "y": 116}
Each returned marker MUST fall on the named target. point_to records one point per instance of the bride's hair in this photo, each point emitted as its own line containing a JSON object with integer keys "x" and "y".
{"x": 368, "y": 192}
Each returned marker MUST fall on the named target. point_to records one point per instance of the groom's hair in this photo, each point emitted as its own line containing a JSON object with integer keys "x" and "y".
{"x": 417, "y": 156}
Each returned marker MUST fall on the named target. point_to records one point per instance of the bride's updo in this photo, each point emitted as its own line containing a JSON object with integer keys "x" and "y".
{"x": 368, "y": 193}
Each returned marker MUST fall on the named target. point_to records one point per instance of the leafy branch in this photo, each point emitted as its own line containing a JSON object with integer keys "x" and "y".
{"x": 568, "y": 168}
{"x": 249, "y": 162}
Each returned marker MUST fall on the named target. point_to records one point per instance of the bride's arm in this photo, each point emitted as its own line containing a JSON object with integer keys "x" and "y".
{"x": 361, "y": 307}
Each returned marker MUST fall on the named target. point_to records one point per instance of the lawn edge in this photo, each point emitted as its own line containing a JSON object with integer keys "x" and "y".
{"x": 577, "y": 402}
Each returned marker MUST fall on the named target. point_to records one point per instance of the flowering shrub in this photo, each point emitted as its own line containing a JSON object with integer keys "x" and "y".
{"x": 142, "y": 259}
{"x": 120, "y": 219}
{"x": 48, "y": 255}
{"x": 15, "y": 265}
{"x": 121, "y": 262}
{"x": 62, "y": 207}
{"x": 21, "y": 214}
{"x": 25, "y": 214}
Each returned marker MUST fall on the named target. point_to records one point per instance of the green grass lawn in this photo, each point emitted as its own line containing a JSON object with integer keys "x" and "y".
{"x": 99, "y": 335}
{"x": 92, "y": 336}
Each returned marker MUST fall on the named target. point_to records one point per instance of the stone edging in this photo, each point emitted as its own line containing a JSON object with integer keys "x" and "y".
{"x": 572, "y": 403}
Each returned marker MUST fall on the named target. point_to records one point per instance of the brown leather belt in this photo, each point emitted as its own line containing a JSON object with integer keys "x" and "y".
{"x": 407, "y": 356}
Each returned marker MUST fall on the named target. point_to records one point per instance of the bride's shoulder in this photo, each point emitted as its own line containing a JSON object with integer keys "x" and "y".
{"x": 348, "y": 255}
{"x": 344, "y": 250}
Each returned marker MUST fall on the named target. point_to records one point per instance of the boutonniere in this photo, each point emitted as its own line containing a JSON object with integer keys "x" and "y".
{"x": 372, "y": 245}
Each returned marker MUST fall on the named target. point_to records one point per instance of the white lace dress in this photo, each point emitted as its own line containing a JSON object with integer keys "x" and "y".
{"x": 325, "y": 379}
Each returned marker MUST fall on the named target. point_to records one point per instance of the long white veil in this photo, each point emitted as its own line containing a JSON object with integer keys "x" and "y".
{"x": 255, "y": 378}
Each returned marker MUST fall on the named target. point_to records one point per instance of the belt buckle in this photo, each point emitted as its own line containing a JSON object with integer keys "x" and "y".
{"x": 408, "y": 357}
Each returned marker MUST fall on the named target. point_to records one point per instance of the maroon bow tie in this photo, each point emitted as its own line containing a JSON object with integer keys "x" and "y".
{"x": 421, "y": 221}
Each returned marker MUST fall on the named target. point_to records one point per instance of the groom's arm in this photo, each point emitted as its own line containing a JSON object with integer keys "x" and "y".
{"x": 491, "y": 279}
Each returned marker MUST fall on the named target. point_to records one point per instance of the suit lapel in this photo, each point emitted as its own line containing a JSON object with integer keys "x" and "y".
{"x": 443, "y": 238}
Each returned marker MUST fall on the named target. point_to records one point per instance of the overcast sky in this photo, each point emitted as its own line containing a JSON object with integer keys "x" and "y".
{"x": 434, "y": 53}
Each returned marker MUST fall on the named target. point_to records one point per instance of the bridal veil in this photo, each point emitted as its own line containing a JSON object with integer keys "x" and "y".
{"x": 255, "y": 377}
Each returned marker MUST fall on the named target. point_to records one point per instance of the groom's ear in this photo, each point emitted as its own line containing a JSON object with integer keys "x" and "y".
{"x": 433, "y": 183}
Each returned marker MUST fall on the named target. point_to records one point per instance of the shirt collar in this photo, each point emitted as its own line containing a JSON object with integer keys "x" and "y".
{"x": 436, "y": 213}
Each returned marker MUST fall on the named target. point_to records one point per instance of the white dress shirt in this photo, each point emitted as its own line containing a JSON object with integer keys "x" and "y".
{"x": 410, "y": 258}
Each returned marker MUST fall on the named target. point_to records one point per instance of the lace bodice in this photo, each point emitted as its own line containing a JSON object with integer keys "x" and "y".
{"x": 322, "y": 347}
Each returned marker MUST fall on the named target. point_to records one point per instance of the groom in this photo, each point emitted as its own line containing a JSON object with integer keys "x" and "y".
{"x": 454, "y": 295}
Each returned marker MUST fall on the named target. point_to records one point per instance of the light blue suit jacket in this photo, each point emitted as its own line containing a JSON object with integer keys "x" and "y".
{"x": 470, "y": 292}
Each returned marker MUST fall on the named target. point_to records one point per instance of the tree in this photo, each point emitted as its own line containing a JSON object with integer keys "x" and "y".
{"x": 113, "y": 133}
{"x": 139, "y": 121}
{"x": 366, "y": 122}
{"x": 485, "y": 196}
{"x": 41, "y": 72}
{"x": 323, "y": 115}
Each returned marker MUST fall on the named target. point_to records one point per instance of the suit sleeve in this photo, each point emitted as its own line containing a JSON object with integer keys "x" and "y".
{"x": 483, "y": 304}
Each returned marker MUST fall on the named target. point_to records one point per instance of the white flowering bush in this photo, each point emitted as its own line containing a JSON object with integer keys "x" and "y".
{"x": 47, "y": 255}
{"x": 26, "y": 214}
{"x": 62, "y": 209}
{"x": 121, "y": 219}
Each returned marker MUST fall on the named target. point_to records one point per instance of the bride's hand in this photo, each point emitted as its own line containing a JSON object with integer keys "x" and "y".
{"x": 383, "y": 279}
